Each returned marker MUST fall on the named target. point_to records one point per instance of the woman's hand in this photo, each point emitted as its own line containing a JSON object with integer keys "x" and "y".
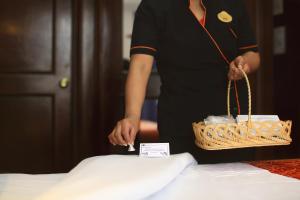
{"x": 124, "y": 132}
{"x": 249, "y": 62}
{"x": 234, "y": 71}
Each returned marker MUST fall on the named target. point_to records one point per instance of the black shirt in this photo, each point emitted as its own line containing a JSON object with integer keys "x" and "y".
{"x": 170, "y": 25}
{"x": 168, "y": 30}
{"x": 192, "y": 59}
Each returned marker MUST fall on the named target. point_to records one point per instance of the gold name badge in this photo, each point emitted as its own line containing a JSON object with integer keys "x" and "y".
{"x": 225, "y": 17}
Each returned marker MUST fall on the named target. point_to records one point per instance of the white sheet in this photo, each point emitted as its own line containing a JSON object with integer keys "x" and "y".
{"x": 131, "y": 177}
{"x": 233, "y": 181}
{"x": 26, "y": 187}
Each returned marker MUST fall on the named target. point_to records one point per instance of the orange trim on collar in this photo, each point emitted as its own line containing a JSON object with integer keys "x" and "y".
{"x": 213, "y": 40}
{"x": 248, "y": 47}
{"x": 143, "y": 47}
{"x": 208, "y": 33}
{"x": 202, "y": 21}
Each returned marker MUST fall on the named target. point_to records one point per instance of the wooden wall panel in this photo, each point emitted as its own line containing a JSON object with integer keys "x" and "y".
{"x": 97, "y": 57}
{"x": 85, "y": 79}
{"x": 261, "y": 16}
{"x": 276, "y": 82}
{"x": 109, "y": 58}
{"x": 286, "y": 76}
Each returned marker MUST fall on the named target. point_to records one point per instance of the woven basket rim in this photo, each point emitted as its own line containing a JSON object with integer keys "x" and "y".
{"x": 234, "y": 135}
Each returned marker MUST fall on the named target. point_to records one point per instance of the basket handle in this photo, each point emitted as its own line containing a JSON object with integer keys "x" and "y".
{"x": 249, "y": 96}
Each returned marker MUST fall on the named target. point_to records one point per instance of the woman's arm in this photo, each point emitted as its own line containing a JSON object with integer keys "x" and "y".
{"x": 249, "y": 61}
{"x": 126, "y": 129}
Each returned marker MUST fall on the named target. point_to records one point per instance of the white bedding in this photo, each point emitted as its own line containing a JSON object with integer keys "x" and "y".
{"x": 131, "y": 177}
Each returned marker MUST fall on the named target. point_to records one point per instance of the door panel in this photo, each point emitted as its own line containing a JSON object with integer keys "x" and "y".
{"x": 35, "y": 112}
{"x": 26, "y": 119}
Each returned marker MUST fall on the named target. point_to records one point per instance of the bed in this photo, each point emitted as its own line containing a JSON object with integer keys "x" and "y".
{"x": 177, "y": 177}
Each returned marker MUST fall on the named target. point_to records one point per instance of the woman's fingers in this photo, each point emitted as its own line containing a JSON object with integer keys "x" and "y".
{"x": 239, "y": 61}
{"x": 123, "y": 134}
{"x": 119, "y": 134}
{"x": 235, "y": 75}
{"x": 234, "y": 71}
{"x": 126, "y": 131}
{"x": 246, "y": 68}
{"x": 111, "y": 137}
{"x": 132, "y": 135}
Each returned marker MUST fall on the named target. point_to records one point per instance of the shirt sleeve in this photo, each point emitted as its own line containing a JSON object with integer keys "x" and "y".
{"x": 246, "y": 39}
{"x": 145, "y": 30}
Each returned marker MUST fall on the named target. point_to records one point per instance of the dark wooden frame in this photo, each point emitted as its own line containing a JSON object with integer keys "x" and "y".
{"x": 261, "y": 16}
{"x": 97, "y": 63}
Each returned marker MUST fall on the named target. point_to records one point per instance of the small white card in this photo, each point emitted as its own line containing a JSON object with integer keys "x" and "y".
{"x": 155, "y": 150}
{"x": 243, "y": 118}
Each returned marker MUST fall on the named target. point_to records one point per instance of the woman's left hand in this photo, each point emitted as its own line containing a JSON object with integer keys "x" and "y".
{"x": 236, "y": 74}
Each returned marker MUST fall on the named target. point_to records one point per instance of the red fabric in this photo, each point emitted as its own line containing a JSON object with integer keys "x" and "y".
{"x": 203, "y": 20}
{"x": 290, "y": 168}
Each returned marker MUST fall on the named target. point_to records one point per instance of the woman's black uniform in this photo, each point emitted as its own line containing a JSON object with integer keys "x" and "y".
{"x": 192, "y": 60}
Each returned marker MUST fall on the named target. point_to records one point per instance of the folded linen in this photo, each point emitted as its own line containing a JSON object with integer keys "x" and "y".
{"x": 118, "y": 177}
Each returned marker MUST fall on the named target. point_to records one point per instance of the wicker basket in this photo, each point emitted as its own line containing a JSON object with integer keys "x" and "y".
{"x": 243, "y": 134}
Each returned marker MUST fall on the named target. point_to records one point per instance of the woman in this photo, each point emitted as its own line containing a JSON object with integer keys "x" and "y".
{"x": 198, "y": 45}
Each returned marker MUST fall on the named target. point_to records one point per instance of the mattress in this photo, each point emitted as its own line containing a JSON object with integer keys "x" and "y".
{"x": 132, "y": 177}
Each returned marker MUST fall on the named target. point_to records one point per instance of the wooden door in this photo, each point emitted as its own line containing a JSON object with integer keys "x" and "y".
{"x": 35, "y": 55}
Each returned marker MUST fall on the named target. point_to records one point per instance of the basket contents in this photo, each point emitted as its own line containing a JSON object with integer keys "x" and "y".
{"x": 219, "y": 120}
{"x": 244, "y": 118}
